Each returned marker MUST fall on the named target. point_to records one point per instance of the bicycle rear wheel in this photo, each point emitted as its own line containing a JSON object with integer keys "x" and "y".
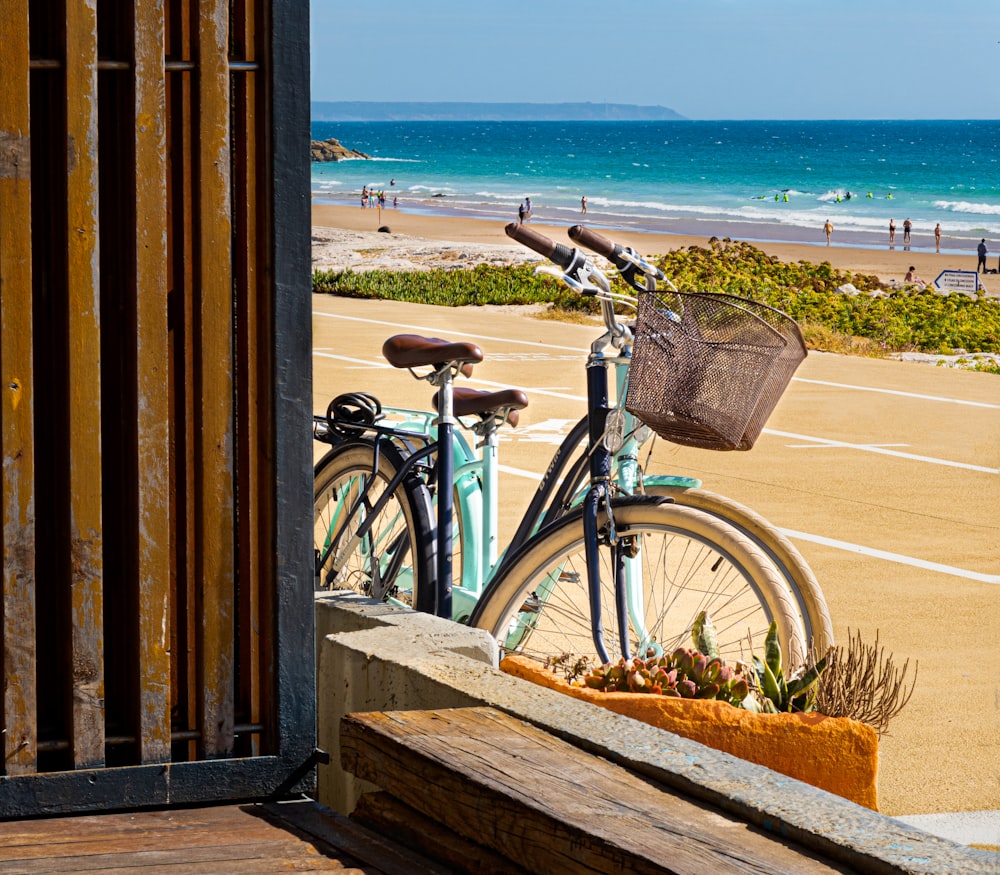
{"x": 688, "y": 562}
{"x": 789, "y": 562}
{"x": 396, "y": 556}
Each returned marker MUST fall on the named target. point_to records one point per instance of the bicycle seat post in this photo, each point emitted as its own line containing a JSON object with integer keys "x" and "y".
{"x": 445, "y": 473}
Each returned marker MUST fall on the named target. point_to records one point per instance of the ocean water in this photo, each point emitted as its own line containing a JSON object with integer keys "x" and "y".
{"x": 752, "y": 180}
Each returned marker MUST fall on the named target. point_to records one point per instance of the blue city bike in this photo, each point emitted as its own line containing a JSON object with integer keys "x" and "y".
{"x": 599, "y": 538}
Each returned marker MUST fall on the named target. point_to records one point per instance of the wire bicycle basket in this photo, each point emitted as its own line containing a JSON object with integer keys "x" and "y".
{"x": 708, "y": 369}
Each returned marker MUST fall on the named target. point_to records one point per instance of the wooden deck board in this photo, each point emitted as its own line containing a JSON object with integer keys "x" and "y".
{"x": 222, "y": 840}
{"x": 506, "y": 784}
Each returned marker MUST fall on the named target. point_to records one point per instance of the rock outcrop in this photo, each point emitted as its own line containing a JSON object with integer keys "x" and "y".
{"x": 332, "y": 150}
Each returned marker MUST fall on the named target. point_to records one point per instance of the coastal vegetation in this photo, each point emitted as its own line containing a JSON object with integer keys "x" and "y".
{"x": 856, "y": 680}
{"x": 838, "y": 311}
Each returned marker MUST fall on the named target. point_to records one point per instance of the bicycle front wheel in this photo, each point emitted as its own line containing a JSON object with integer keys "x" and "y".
{"x": 789, "y": 562}
{"x": 681, "y": 562}
{"x": 395, "y": 555}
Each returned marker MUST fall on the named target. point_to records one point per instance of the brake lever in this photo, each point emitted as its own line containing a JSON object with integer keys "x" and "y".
{"x": 649, "y": 270}
{"x": 585, "y": 279}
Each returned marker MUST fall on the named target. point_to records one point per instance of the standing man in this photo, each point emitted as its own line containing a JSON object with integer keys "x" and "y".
{"x": 937, "y": 237}
{"x": 892, "y": 231}
{"x": 583, "y": 205}
{"x": 828, "y": 228}
{"x": 982, "y": 250}
{"x": 907, "y": 225}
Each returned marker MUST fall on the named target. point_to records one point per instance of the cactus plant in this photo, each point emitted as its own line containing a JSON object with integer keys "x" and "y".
{"x": 773, "y": 692}
{"x": 704, "y": 636}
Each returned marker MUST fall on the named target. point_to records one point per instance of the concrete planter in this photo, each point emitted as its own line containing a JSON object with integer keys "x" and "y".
{"x": 833, "y": 753}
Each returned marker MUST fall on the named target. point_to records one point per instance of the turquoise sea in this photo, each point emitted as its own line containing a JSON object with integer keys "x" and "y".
{"x": 752, "y": 180}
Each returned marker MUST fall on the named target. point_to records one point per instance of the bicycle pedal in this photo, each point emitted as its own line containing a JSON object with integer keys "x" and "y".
{"x": 532, "y": 605}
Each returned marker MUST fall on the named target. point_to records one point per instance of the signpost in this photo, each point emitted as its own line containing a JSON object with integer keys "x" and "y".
{"x": 964, "y": 281}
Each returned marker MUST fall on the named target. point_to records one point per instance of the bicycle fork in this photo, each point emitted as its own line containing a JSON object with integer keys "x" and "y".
{"x": 598, "y": 496}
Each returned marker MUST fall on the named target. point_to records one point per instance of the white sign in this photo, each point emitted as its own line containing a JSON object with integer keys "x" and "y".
{"x": 959, "y": 281}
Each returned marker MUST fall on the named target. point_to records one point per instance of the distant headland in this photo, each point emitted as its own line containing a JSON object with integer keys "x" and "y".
{"x": 392, "y": 111}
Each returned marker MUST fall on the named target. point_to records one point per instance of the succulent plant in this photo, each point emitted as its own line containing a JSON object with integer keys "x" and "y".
{"x": 773, "y": 692}
{"x": 704, "y": 636}
{"x": 684, "y": 674}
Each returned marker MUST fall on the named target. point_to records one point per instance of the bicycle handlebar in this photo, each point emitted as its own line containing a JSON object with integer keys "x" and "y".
{"x": 557, "y": 253}
{"x": 599, "y": 244}
{"x": 629, "y": 263}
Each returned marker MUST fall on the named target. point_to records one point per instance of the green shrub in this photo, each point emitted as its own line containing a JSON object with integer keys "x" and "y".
{"x": 894, "y": 321}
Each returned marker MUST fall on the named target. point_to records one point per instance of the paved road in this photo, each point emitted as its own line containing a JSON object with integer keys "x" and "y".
{"x": 886, "y": 475}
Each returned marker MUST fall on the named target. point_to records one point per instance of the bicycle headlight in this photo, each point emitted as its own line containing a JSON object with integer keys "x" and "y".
{"x": 614, "y": 430}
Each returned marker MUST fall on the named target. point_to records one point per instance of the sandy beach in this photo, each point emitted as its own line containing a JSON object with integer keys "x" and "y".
{"x": 460, "y": 239}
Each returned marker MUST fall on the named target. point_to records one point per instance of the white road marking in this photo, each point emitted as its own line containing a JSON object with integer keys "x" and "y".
{"x": 825, "y": 442}
{"x": 520, "y": 472}
{"x": 898, "y": 392}
{"x": 846, "y": 546}
{"x": 874, "y": 448}
{"x": 892, "y": 557}
{"x": 834, "y": 446}
{"x": 343, "y": 358}
{"x": 816, "y": 442}
{"x": 582, "y": 351}
{"x": 411, "y": 328}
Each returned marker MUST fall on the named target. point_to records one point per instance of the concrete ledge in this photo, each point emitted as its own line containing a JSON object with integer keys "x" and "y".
{"x": 339, "y": 612}
{"x": 374, "y": 658}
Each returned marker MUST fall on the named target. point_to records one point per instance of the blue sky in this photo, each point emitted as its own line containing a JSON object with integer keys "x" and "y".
{"x": 706, "y": 59}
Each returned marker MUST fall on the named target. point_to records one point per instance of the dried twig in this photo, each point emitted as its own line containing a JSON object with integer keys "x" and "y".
{"x": 572, "y": 666}
{"x": 863, "y": 683}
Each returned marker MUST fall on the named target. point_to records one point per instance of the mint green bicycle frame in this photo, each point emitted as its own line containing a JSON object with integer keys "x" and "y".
{"x": 476, "y": 496}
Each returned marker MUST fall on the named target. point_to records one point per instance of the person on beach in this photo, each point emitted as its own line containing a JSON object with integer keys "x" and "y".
{"x": 911, "y": 277}
{"x": 527, "y": 208}
{"x": 828, "y": 228}
{"x": 907, "y": 226}
{"x": 937, "y": 237}
{"x": 520, "y": 214}
{"x": 982, "y": 250}
{"x": 583, "y": 205}
{"x": 892, "y": 231}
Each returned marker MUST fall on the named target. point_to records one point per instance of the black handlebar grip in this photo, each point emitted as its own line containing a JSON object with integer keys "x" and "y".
{"x": 555, "y": 252}
{"x": 599, "y": 244}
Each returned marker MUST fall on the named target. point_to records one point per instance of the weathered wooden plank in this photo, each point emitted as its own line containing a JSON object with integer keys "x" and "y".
{"x": 161, "y": 828}
{"x": 253, "y": 451}
{"x": 84, "y": 435}
{"x": 81, "y": 842}
{"x": 218, "y": 867}
{"x": 507, "y": 785}
{"x": 152, "y": 389}
{"x": 17, "y": 535}
{"x": 246, "y": 858}
{"x": 181, "y": 198}
{"x": 393, "y": 819}
{"x": 335, "y": 831}
{"x": 215, "y": 382}
{"x": 289, "y": 400}
{"x": 298, "y": 836}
